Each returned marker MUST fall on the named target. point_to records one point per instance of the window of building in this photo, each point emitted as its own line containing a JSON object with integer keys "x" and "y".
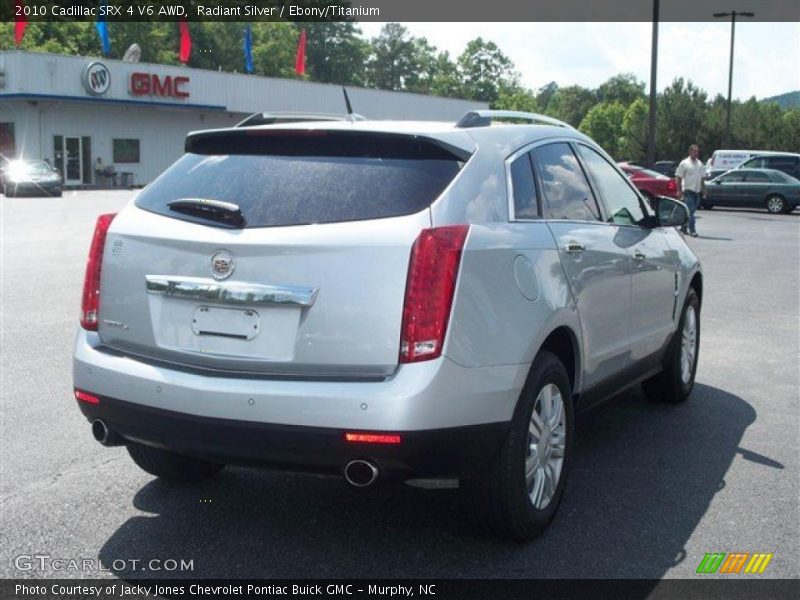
{"x": 7, "y": 142}
{"x": 564, "y": 186}
{"x": 126, "y": 151}
{"x": 526, "y": 205}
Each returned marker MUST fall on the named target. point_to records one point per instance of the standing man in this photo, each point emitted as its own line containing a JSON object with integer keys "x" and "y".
{"x": 690, "y": 176}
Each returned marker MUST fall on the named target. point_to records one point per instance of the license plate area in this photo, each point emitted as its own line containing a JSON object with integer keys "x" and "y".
{"x": 226, "y": 322}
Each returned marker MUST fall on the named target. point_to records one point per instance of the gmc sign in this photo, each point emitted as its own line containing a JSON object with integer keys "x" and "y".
{"x": 146, "y": 84}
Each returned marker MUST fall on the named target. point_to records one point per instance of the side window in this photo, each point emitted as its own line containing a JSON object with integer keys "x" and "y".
{"x": 756, "y": 177}
{"x": 564, "y": 186}
{"x": 755, "y": 163}
{"x": 782, "y": 163}
{"x": 733, "y": 177}
{"x": 622, "y": 202}
{"x": 526, "y": 204}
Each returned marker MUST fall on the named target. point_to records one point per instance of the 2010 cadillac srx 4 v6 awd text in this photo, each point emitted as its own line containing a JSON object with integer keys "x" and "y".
{"x": 385, "y": 301}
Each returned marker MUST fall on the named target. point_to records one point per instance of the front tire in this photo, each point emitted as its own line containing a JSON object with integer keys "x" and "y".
{"x": 517, "y": 494}
{"x": 776, "y": 204}
{"x": 674, "y": 384}
{"x": 170, "y": 466}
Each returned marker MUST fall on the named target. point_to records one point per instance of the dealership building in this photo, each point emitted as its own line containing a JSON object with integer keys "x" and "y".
{"x": 74, "y": 110}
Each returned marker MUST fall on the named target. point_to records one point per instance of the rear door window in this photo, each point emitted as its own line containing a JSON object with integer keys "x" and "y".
{"x": 523, "y": 186}
{"x": 301, "y": 180}
{"x": 756, "y": 177}
{"x": 564, "y": 186}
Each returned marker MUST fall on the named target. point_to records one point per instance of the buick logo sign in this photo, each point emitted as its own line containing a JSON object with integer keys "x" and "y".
{"x": 96, "y": 78}
{"x": 222, "y": 264}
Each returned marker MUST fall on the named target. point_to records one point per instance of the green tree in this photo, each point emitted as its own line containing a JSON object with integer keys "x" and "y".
{"x": 484, "y": 68}
{"x": 513, "y": 96}
{"x": 391, "y": 63}
{"x": 634, "y": 132}
{"x": 545, "y": 94}
{"x": 336, "y": 53}
{"x": 681, "y": 112}
{"x": 604, "y": 124}
{"x": 624, "y": 88}
{"x": 571, "y": 104}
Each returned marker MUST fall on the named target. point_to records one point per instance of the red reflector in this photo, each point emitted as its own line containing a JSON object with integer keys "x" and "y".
{"x": 672, "y": 186}
{"x": 432, "y": 273}
{"x": 372, "y": 438}
{"x": 90, "y": 303}
{"x": 85, "y": 397}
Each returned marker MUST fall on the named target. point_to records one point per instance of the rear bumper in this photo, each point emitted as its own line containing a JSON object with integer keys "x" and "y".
{"x": 453, "y": 452}
{"x": 449, "y": 416}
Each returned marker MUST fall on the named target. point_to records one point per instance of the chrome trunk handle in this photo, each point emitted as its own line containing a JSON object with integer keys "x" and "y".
{"x": 231, "y": 292}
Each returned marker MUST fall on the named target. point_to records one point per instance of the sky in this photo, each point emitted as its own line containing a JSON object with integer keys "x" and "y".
{"x": 766, "y": 57}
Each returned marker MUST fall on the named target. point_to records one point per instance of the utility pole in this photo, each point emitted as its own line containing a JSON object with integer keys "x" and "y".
{"x": 722, "y": 15}
{"x": 651, "y": 129}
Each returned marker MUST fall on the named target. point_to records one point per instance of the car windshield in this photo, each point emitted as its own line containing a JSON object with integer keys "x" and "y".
{"x": 31, "y": 167}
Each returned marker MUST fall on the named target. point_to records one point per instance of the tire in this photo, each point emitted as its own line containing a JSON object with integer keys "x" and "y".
{"x": 171, "y": 466}
{"x": 776, "y": 204}
{"x": 674, "y": 384}
{"x": 499, "y": 499}
{"x": 707, "y": 206}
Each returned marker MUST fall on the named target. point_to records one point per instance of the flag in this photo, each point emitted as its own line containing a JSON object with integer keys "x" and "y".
{"x": 102, "y": 28}
{"x": 20, "y": 22}
{"x": 186, "y": 43}
{"x": 248, "y": 49}
{"x": 300, "y": 59}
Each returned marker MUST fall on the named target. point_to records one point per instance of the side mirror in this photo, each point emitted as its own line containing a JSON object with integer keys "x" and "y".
{"x": 671, "y": 212}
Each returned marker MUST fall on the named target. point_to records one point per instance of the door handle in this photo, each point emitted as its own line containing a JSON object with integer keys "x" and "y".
{"x": 574, "y": 248}
{"x": 638, "y": 256}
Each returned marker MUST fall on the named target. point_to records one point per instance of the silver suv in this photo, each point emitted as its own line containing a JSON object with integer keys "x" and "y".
{"x": 384, "y": 301}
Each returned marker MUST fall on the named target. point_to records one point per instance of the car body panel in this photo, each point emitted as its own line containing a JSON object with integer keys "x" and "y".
{"x": 747, "y": 188}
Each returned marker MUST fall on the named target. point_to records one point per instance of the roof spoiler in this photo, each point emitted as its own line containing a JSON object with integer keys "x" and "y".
{"x": 274, "y": 118}
{"x": 484, "y": 118}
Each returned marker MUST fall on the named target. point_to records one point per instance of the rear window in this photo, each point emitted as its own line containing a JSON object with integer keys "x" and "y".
{"x": 284, "y": 178}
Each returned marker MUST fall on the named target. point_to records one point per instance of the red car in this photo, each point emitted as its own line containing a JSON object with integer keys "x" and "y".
{"x": 649, "y": 182}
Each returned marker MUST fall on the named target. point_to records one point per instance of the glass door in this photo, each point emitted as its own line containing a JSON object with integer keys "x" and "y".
{"x": 73, "y": 163}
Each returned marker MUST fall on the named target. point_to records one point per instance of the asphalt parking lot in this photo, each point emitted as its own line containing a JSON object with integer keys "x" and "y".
{"x": 653, "y": 488}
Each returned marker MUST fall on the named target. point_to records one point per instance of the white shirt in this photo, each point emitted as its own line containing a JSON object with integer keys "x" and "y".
{"x": 691, "y": 173}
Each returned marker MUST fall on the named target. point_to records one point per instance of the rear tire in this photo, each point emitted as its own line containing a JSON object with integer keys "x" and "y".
{"x": 674, "y": 384}
{"x": 776, "y": 204}
{"x": 171, "y": 466}
{"x": 518, "y": 493}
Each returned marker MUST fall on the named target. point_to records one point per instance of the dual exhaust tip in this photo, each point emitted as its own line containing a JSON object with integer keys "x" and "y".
{"x": 359, "y": 473}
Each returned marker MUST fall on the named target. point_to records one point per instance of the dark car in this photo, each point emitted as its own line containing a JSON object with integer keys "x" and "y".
{"x": 787, "y": 162}
{"x": 666, "y": 167}
{"x": 651, "y": 183}
{"x": 757, "y": 188}
{"x": 31, "y": 177}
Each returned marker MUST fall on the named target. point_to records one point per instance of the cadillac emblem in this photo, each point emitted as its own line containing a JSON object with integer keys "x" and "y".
{"x": 222, "y": 264}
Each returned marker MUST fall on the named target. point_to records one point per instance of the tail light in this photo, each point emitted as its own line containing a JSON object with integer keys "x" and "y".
{"x": 86, "y": 397}
{"x": 432, "y": 273}
{"x": 672, "y": 186}
{"x": 90, "y": 304}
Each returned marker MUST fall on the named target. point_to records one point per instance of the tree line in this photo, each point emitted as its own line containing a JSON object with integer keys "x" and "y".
{"x": 615, "y": 113}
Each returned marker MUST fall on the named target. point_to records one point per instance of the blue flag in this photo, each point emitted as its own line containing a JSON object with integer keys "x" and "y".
{"x": 102, "y": 28}
{"x": 248, "y": 49}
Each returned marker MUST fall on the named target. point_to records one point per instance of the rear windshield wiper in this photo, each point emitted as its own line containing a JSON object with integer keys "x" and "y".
{"x": 217, "y": 210}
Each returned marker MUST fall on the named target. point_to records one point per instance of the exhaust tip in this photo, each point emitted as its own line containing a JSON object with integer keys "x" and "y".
{"x": 360, "y": 473}
{"x": 104, "y": 435}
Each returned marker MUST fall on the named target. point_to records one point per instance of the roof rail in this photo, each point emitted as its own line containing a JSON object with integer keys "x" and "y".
{"x": 272, "y": 118}
{"x": 484, "y": 118}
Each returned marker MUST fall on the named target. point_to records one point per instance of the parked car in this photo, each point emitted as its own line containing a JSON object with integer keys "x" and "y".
{"x": 665, "y": 167}
{"x": 787, "y": 162}
{"x": 32, "y": 177}
{"x": 722, "y": 161}
{"x": 651, "y": 183}
{"x": 756, "y": 188}
{"x": 384, "y": 301}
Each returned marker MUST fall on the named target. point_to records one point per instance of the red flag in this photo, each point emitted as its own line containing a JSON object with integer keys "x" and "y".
{"x": 20, "y": 22}
{"x": 300, "y": 59}
{"x": 186, "y": 43}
